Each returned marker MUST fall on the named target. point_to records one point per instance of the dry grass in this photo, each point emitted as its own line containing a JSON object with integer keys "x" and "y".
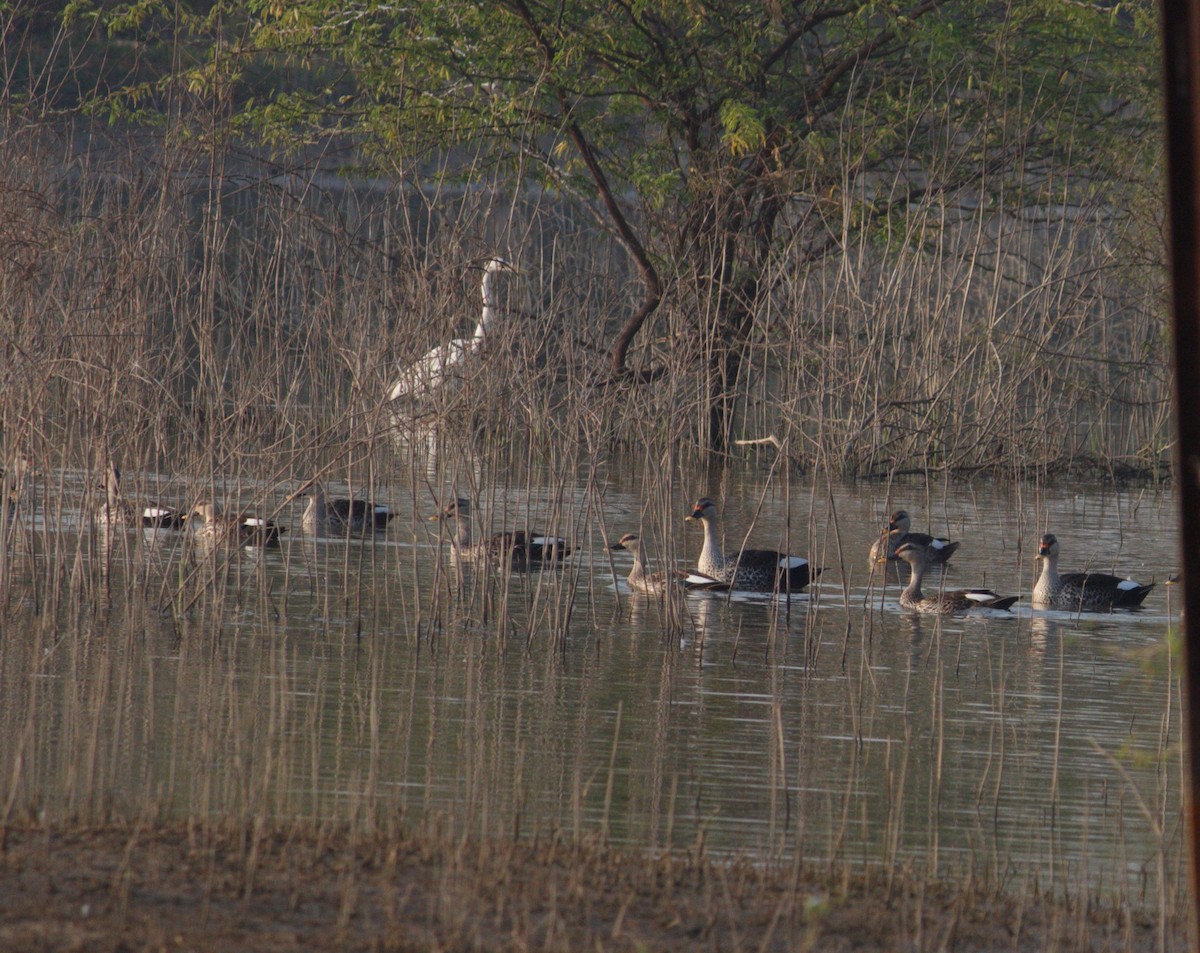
{"x": 202, "y": 316}
{"x": 225, "y": 334}
{"x": 270, "y": 887}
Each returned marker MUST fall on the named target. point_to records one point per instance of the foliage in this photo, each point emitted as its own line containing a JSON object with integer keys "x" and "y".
{"x": 705, "y": 137}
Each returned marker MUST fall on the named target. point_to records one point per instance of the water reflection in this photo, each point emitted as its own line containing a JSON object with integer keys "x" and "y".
{"x": 352, "y": 677}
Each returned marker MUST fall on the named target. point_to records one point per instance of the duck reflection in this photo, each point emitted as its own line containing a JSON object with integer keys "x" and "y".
{"x": 1043, "y": 628}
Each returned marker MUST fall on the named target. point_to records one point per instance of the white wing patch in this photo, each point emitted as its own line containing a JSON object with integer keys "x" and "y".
{"x": 1128, "y": 584}
{"x": 792, "y": 562}
{"x": 154, "y": 512}
{"x": 980, "y": 595}
{"x": 939, "y": 543}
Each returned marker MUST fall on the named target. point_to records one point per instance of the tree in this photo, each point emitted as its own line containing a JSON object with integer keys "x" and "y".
{"x": 705, "y": 134}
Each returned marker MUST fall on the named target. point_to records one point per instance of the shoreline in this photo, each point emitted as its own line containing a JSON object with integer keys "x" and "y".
{"x": 219, "y": 886}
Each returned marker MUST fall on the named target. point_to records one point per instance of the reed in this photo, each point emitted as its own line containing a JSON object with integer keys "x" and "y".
{"x": 302, "y": 697}
{"x": 422, "y": 888}
{"x": 198, "y": 312}
{"x": 226, "y": 334}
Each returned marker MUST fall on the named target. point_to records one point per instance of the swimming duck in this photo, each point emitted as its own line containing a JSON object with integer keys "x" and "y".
{"x": 340, "y": 515}
{"x": 517, "y": 547}
{"x": 656, "y": 582}
{"x": 897, "y": 532}
{"x": 754, "y": 570}
{"x": 115, "y": 511}
{"x": 16, "y": 484}
{"x": 1082, "y": 591}
{"x": 235, "y": 530}
{"x": 639, "y": 579}
{"x": 946, "y": 602}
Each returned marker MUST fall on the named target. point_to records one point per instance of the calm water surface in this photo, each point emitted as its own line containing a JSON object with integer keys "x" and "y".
{"x": 339, "y": 679}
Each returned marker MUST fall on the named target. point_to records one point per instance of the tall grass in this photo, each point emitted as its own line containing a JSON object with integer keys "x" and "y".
{"x": 224, "y": 332}
{"x": 187, "y": 313}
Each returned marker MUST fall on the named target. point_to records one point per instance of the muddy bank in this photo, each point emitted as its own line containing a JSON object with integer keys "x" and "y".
{"x": 187, "y": 887}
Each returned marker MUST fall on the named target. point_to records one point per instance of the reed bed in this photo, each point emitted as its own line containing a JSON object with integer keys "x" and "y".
{"x": 278, "y": 748}
{"x": 226, "y": 332}
{"x": 191, "y": 312}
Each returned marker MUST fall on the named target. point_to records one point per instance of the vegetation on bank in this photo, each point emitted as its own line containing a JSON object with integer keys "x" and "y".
{"x": 902, "y": 239}
{"x": 268, "y": 887}
{"x": 897, "y": 240}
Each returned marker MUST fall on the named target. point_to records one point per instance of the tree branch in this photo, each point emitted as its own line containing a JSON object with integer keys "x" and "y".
{"x": 626, "y": 235}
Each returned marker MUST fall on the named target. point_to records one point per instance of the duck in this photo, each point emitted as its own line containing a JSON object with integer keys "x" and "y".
{"x": 947, "y": 602}
{"x": 1082, "y": 591}
{"x": 639, "y": 579}
{"x": 15, "y": 483}
{"x": 340, "y": 514}
{"x": 116, "y": 511}
{"x": 441, "y": 364}
{"x": 241, "y": 530}
{"x": 660, "y": 581}
{"x": 519, "y": 548}
{"x": 898, "y": 532}
{"x": 754, "y": 570}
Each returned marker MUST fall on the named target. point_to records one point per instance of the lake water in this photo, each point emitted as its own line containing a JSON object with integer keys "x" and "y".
{"x": 361, "y": 679}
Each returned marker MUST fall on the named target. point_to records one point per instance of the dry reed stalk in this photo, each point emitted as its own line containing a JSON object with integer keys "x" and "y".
{"x": 237, "y": 335}
{"x": 201, "y": 323}
{"x": 439, "y": 891}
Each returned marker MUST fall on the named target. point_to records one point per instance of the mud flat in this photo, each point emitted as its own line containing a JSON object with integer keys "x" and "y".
{"x": 216, "y": 887}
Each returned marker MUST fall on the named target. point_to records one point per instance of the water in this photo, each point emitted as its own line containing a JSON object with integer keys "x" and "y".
{"x": 343, "y": 679}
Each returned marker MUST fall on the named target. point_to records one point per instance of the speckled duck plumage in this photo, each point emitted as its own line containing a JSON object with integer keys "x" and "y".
{"x": 639, "y": 579}
{"x": 518, "y": 548}
{"x": 753, "y": 570}
{"x": 947, "y": 602}
{"x": 341, "y": 515}
{"x": 116, "y": 511}
{"x": 898, "y": 532}
{"x": 1082, "y": 591}
{"x": 642, "y": 580}
{"x": 243, "y": 530}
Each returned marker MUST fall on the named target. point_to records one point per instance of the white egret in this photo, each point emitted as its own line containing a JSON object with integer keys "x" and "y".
{"x": 444, "y": 362}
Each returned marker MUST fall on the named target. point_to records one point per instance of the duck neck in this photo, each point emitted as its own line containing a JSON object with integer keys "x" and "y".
{"x": 912, "y": 592}
{"x": 112, "y": 486}
{"x": 712, "y": 560}
{"x": 461, "y": 540}
{"x": 638, "y": 572}
{"x": 1049, "y": 581}
{"x": 315, "y": 513}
